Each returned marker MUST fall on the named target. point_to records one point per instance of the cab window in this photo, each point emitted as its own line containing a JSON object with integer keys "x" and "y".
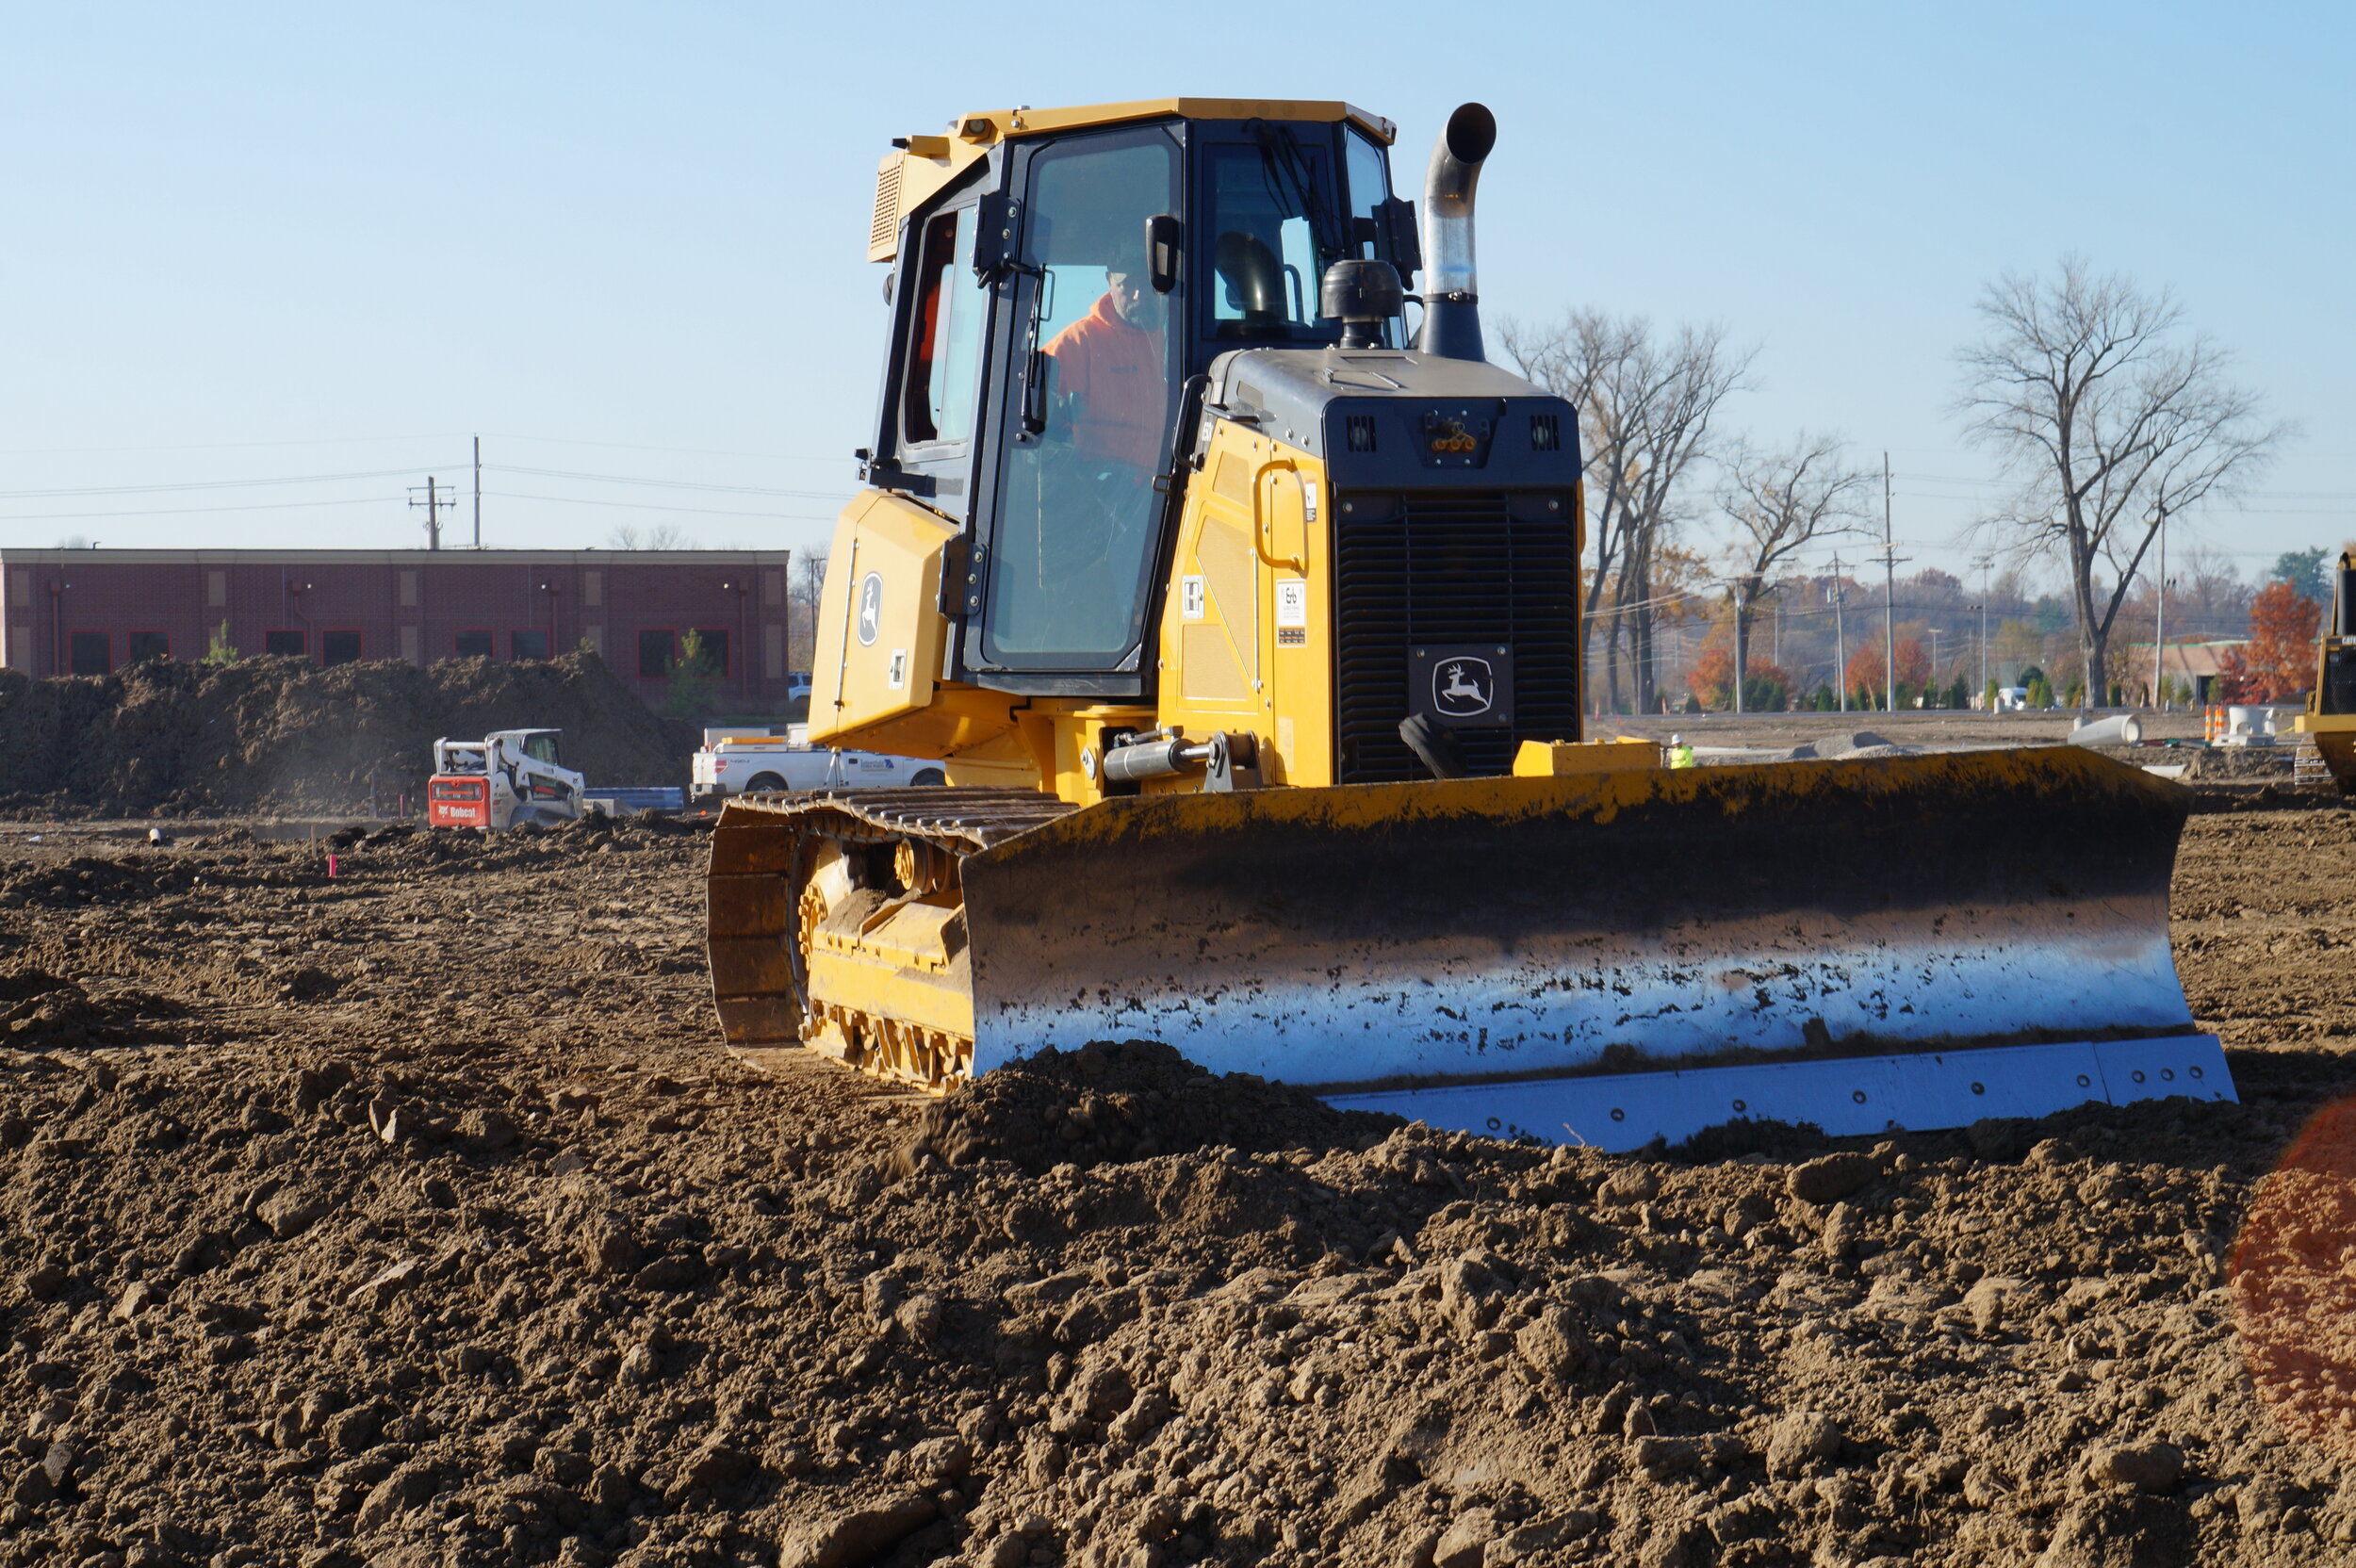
{"x": 1370, "y": 181}
{"x": 1273, "y": 230}
{"x": 541, "y": 748}
{"x": 945, "y": 337}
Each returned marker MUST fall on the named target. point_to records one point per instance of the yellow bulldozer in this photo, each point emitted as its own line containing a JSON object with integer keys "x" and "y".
{"x": 2331, "y": 715}
{"x": 1245, "y": 624}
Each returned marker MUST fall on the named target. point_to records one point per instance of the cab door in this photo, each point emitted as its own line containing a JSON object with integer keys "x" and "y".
{"x": 1064, "y": 556}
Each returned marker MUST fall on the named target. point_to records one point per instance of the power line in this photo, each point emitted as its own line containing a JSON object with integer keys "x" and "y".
{"x": 665, "y": 483}
{"x": 685, "y": 452}
{"x": 191, "y": 511}
{"x": 219, "y": 446}
{"x": 202, "y": 484}
{"x": 650, "y": 506}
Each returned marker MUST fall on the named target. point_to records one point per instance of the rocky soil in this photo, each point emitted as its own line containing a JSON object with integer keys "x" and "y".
{"x": 410, "y": 1218}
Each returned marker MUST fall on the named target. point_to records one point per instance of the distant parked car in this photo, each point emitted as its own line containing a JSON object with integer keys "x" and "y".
{"x": 797, "y": 695}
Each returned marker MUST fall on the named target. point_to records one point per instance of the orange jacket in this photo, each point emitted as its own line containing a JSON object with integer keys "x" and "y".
{"x": 1119, "y": 376}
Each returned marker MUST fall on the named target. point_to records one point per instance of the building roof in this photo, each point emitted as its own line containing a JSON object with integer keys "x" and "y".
{"x": 2188, "y": 660}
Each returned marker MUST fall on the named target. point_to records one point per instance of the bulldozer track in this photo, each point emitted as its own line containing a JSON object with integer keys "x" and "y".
{"x": 769, "y": 914}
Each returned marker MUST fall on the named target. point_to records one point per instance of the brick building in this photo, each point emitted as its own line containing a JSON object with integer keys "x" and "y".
{"x": 85, "y": 612}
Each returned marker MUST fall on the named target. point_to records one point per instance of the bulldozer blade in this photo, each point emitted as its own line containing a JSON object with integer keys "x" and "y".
{"x": 1408, "y": 938}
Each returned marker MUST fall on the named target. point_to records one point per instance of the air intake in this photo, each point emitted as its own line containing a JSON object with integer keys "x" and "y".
{"x": 1545, "y": 432}
{"x": 1359, "y": 433}
{"x": 883, "y": 230}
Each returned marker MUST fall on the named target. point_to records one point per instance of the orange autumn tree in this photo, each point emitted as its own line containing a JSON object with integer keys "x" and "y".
{"x": 2279, "y": 661}
{"x": 1766, "y": 687}
{"x": 1712, "y": 675}
{"x": 1866, "y": 669}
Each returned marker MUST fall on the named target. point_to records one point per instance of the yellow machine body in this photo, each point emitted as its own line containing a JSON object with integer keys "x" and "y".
{"x": 2331, "y": 715}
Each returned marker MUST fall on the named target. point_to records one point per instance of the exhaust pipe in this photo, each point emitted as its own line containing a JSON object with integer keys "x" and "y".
{"x": 1451, "y": 299}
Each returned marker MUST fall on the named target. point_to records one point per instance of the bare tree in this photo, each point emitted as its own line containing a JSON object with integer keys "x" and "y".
{"x": 2110, "y": 422}
{"x": 1780, "y": 502}
{"x": 1645, "y": 404}
{"x": 808, "y": 590}
{"x": 656, "y": 536}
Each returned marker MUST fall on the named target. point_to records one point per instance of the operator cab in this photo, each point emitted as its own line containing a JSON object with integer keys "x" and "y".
{"x": 1104, "y": 267}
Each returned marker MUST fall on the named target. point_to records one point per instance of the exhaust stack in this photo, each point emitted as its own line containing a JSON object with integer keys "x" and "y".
{"x": 1451, "y": 298}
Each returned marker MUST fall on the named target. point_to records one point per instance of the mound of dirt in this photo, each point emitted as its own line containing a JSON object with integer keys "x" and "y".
{"x": 40, "y": 1011}
{"x": 1130, "y": 1101}
{"x": 167, "y": 738}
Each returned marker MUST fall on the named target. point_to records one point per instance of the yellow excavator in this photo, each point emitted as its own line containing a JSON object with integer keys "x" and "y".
{"x": 1245, "y": 624}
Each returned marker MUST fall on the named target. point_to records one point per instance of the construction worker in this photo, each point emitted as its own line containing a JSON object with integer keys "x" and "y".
{"x": 1680, "y": 755}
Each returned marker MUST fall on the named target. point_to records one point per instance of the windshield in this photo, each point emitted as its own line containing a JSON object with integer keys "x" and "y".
{"x": 1273, "y": 229}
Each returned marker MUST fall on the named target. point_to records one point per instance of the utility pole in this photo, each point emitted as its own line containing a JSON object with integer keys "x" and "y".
{"x": 1738, "y": 645}
{"x": 2159, "y": 621}
{"x": 434, "y": 506}
{"x": 1840, "y": 637}
{"x": 1984, "y": 563}
{"x": 478, "y": 491}
{"x": 1890, "y": 595}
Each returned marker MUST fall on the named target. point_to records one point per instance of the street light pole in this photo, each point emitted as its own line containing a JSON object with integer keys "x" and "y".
{"x": 1738, "y": 645}
{"x": 2159, "y": 622}
{"x": 1889, "y": 594}
{"x": 1981, "y": 608}
{"x": 1840, "y": 636}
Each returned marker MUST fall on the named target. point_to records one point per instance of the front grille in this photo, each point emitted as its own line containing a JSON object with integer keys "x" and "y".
{"x": 1451, "y": 567}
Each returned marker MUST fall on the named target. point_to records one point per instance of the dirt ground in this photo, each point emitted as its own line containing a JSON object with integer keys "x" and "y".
{"x": 410, "y": 1217}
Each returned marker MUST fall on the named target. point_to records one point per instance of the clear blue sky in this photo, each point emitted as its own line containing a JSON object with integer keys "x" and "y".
{"x": 251, "y": 243}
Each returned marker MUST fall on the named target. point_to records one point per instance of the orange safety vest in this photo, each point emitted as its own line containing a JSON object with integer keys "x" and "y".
{"x": 1119, "y": 376}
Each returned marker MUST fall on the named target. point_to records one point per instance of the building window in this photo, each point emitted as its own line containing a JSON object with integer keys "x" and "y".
{"x": 527, "y": 644}
{"x": 340, "y": 647}
{"x": 150, "y": 644}
{"x": 216, "y": 589}
{"x": 294, "y": 644}
{"x": 654, "y": 655}
{"x": 93, "y": 653}
{"x": 474, "y": 644}
{"x": 409, "y": 590}
{"x": 593, "y": 589}
{"x": 771, "y": 586}
{"x": 21, "y": 590}
{"x": 713, "y": 651}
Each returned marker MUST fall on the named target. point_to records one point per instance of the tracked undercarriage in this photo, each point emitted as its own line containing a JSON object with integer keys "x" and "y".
{"x": 838, "y": 921}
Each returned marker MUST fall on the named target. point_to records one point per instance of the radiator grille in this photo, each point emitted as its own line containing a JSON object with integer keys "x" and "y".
{"x": 1451, "y": 567}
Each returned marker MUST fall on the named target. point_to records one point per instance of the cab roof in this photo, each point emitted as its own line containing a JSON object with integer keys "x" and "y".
{"x": 1001, "y": 124}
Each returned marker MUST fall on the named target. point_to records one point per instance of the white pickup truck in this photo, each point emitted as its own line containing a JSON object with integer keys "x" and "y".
{"x": 735, "y": 762}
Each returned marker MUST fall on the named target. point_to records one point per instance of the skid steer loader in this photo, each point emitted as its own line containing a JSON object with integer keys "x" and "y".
{"x": 1247, "y": 625}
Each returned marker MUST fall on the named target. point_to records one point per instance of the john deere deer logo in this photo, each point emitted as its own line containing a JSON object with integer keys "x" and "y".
{"x": 1463, "y": 687}
{"x": 870, "y": 608}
